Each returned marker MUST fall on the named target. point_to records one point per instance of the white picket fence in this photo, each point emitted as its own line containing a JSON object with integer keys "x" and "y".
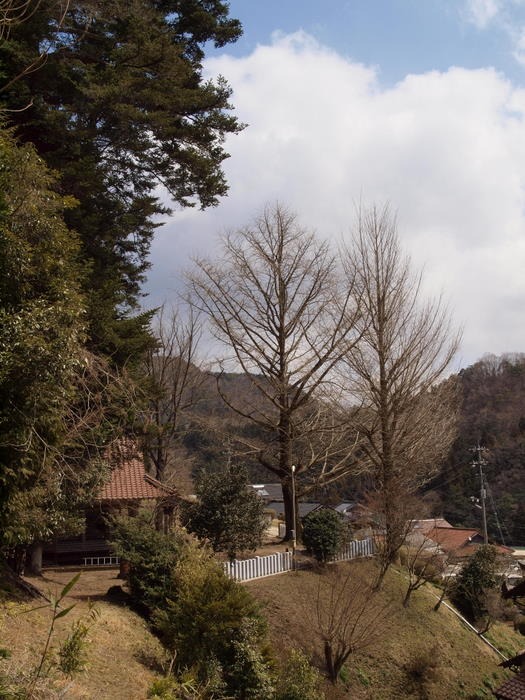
{"x": 355, "y": 549}
{"x": 280, "y": 562}
{"x": 258, "y": 567}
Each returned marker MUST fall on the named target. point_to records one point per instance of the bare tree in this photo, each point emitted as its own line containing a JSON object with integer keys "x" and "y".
{"x": 424, "y": 561}
{"x": 275, "y": 299}
{"x": 349, "y": 615}
{"x": 407, "y": 413}
{"x": 176, "y": 379}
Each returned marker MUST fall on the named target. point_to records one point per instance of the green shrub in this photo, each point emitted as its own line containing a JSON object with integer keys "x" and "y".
{"x": 299, "y": 680}
{"x": 72, "y": 652}
{"x": 323, "y": 533}
{"x": 206, "y": 617}
{"x": 251, "y": 671}
{"x": 475, "y": 581}
{"x": 153, "y": 556}
{"x": 227, "y": 513}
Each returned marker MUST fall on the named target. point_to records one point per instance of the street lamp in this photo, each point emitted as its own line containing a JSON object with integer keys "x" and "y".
{"x": 294, "y": 520}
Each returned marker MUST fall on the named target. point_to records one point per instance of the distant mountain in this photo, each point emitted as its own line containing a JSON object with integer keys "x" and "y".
{"x": 493, "y": 414}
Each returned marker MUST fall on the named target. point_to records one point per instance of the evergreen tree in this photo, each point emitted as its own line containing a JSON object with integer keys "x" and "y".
{"x": 323, "y": 533}
{"x": 41, "y": 329}
{"x": 228, "y": 512}
{"x": 118, "y": 105}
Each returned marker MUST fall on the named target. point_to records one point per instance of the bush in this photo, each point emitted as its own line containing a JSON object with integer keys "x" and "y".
{"x": 299, "y": 680}
{"x": 153, "y": 556}
{"x": 208, "y": 618}
{"x": 187, "y": 687}
{"x": 475, "y": 581}
{"x": 251, "y": 671}
{"x": 72, "y": 652}
{"x": 323, "y": 533}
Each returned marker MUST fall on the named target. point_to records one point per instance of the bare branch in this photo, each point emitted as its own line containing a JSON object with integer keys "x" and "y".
{"x": 276, "y": 300}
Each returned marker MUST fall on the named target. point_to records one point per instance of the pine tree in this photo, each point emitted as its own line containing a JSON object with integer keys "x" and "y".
{"x": 118, "y": 105}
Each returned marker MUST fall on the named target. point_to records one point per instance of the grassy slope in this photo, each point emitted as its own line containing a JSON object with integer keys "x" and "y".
{"x": 122, "y": 653}
{"x": 464, "y": 667}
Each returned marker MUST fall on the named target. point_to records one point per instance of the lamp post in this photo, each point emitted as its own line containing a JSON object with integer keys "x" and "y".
{"x": 294, "y": 521}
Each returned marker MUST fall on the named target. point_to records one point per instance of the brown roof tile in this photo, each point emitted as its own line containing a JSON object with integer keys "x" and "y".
{"x": 462, "y": 542}
{"x": 513, "y": 689}
{"x": 453, "y": 538}
{"x": 129, "y": 480}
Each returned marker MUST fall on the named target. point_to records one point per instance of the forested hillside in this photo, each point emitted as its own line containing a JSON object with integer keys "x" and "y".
{"x": 493, "y": 414}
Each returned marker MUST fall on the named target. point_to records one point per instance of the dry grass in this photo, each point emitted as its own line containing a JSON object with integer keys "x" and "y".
{"x": 422, "y": 654}
{"x": 121, "y": 653}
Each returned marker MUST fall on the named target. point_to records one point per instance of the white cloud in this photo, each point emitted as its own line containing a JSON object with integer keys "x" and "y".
{"x": 446, "y": 149}
{"x": 482, "y": 12}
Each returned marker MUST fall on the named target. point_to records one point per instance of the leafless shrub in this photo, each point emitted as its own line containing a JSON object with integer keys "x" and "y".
{"x": 349, "y": 615}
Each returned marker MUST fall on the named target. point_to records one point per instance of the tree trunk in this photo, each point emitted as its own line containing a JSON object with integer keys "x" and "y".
{"x": 35, "y": 558}
{"x": 289, "y": 508}
{"x": 406, "y": 600}
{"x": 329, "y": 660}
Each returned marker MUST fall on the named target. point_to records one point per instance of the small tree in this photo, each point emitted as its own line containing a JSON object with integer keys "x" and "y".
{"x": 423, "y": 563}
{"x": 323, "y": 533}
{"x": 176, "y": 383}
{"x": 228, "y": 513}
{"x": 474, "y": 584}
{"x": 349, "y": 615}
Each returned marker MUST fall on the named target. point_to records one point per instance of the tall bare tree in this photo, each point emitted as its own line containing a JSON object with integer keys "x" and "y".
{"x": 176, "y": 379}
{"x": 275, "y": 298}
{"x": 407, "y": 413}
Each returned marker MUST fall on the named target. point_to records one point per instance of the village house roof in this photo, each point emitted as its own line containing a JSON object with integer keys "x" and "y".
{"x": 462, "y": 542}
{"x": 129, "y": 479}
{"x": 428, "y": 524}
{"x": 303, "y": 508}
{"x": 269, "y": 492}
{"x": 513, "y": 689}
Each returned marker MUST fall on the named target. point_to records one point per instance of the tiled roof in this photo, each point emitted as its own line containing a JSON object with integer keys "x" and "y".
{"x": 513, "y": 689}
{"x": 451, "y": 539}
{"x": 129, "y": 480}
{"x": 272, "y": 492}
{"x": 429, "y": 524}
{"x": 462, "y": 542}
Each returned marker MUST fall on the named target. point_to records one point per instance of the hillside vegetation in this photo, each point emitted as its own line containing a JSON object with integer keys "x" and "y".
{"x": 420, "y": 653}
{"x": 492, "y": 414}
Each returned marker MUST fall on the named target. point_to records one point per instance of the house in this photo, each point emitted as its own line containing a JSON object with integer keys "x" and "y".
{"x": 129, "y": 488}
{"x": 513, "y": 688}
{"x": 272, "y": 495}
{"x": 459, "y": 543}
{"x": 426, "y": 525}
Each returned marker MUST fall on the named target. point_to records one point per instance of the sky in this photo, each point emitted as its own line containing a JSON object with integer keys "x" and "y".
{"x": 415, "y": 103}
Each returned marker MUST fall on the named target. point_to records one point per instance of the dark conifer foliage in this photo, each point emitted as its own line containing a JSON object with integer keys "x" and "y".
{"x": 117, "y": 106}
{"x": 493, "y": 414}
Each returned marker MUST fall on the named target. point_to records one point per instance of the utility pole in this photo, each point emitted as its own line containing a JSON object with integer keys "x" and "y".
{"x": 479, "y": 462}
